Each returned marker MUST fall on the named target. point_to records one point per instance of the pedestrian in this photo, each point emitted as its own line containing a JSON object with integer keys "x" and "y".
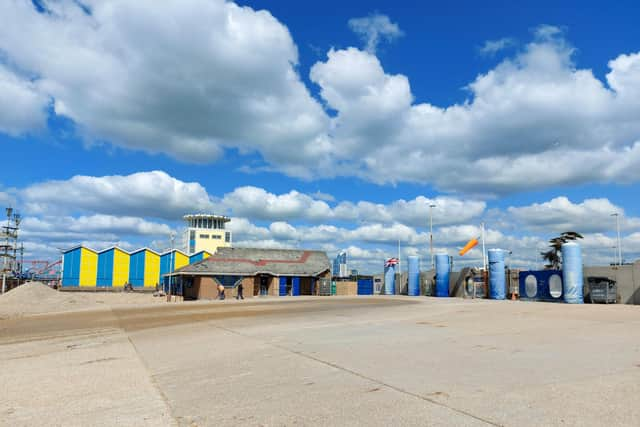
{"x": 221, "y": 292}
{"x": 240, "y": 289}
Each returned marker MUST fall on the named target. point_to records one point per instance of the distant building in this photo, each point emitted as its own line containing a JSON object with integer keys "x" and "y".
{"x": 340, "y": 265}
{"x": 206, "y": 232}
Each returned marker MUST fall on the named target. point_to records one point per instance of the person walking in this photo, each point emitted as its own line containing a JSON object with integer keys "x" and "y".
{"x": 240, "y": 289}
{"x": 221, "y": 292}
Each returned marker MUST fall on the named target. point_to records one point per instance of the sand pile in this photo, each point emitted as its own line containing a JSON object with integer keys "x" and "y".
{"x": 36, "y": 297}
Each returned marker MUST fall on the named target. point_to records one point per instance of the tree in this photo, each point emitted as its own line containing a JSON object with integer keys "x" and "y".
{"x": 553, "y": 256}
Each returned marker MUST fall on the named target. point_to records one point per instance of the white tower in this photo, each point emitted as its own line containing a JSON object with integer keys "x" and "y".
{"x": 205, "y": 232}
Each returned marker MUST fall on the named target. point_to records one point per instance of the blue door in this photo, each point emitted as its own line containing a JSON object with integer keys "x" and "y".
{"x": 295, "y": 289}
{"x": 365, "y": 286}
{"x": 283, "y": 286}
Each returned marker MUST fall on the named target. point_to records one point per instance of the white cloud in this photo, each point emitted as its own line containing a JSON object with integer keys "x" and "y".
{"x": 22, "y": 105}
{"x": 257, "y": 203}
{"x": 266, "y": 244}
{"x": 186, "y": 78}
{"x": 491, "y": 47}
{"x": 560, "y": 214}
{"x": 415, "y": 212}
{"x": 281, "y": 230}
{"x": 323, "y": 196}
{"x": 93, "y": 224}
{"x": 130, "y": 74}
{"x": 149, "y": 194}
{"x": 374, "y": 29}
{"x": 546, "y": 32}
{"x": 6, "y": 199}
{"x": 243, "y": 229}
{"x": 531, "y": 111}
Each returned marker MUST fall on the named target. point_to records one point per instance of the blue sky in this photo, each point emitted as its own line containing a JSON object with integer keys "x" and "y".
{"x": 285, "y": 115}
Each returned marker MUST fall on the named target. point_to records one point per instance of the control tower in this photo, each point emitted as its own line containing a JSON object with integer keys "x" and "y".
{"x": 206, "y": 232}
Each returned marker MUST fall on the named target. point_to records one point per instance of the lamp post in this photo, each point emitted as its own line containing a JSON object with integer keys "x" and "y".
{"x": 172, "y": 237}
{"x": 484, "y": 256}
{"x": 431, "y": 206}
{"x": 617, "y": 215}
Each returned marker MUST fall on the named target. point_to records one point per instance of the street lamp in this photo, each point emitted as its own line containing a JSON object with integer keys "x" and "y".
{"x": 617, "y": 215}
{"x": 431, "y": 206}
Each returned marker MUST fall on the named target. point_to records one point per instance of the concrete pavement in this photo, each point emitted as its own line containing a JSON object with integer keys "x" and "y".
{"x": 327, "y": 361}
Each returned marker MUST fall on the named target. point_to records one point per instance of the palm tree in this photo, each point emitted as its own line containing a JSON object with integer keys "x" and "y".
{"x": 553, "y": 256}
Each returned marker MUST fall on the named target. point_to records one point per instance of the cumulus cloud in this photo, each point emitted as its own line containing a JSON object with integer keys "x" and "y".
{"x": 130, "y": 74}
{"x": 22, "y": 105}
{"x": 186, "y": 78}
{"x": 374, "y": 29}
{"x": 148, "y": 194}
{"x": 561, "y": 214}
{"x": 93, "y": 224}
{"x": 532, "y": 110}
{"x": 258, "y": 203}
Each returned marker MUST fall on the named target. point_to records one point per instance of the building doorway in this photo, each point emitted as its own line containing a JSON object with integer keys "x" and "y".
{"x": 265, "y": 281}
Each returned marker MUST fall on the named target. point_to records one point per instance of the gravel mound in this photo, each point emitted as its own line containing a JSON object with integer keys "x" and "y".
{"x": 36, "y": 297}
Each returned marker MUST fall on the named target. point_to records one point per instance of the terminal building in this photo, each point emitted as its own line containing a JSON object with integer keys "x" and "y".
{"x": 206, "y": 232}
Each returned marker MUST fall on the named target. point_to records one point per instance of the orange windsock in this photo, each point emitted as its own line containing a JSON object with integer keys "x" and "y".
{"x": 468, "y": 246}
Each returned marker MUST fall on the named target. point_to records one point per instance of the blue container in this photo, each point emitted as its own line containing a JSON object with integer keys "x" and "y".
{"x": 442, "y": 275}
{"x": 365, "y": 286}
{"x": 497, "y": 279}
{"x": 414, "y": 276}
{"x": 572, "y": 273}
{"x": 390, "y": 280}
{"x": 295, "y": 287}
{"x": 543, "y": 285}
{"x": 282, "y": 291}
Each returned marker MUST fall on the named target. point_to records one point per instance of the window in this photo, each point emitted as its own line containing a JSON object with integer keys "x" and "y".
{"x": 215, "y": 236}
{"x": 227, "y": 237}
{"x": 204, "y": 236}
{"x": 192, "y": 235}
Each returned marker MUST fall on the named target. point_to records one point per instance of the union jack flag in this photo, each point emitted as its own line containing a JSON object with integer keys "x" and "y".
{"x": 391, "y": 261}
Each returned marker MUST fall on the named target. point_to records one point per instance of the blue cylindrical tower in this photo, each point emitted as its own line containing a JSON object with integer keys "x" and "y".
{"x": 572, "y": 273}
{"x": 414, "y": 276}
{"x": 442, "y": 275}
{"x": 390, "y": 280}
{"x": 497, "y": 280}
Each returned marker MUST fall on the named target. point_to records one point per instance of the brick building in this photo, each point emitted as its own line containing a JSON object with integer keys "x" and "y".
{"x": 275, "y": 272}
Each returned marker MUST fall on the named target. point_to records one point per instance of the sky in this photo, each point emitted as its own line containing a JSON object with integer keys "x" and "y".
{"x": 323, "y": 125}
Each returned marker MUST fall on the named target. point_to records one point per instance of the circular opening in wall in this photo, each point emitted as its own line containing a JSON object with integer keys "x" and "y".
{"x": 555, "y": 285}
{"x": 469, "y": 286}
{"x": 531, "y": 285}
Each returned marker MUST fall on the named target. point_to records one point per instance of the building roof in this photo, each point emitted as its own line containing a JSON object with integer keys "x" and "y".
{"x": 249, "y": 262}
{"x": 207, "y": 216}
{"x": 64, "y": 251}
{"x": 144, "y": 249}
{"x": 173, "y": 250}
{"x": 200, "y": 252}
{"x": 111, "y": 248}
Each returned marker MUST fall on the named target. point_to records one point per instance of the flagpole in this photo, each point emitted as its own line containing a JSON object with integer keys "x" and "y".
{"x": 399, "y": 270}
